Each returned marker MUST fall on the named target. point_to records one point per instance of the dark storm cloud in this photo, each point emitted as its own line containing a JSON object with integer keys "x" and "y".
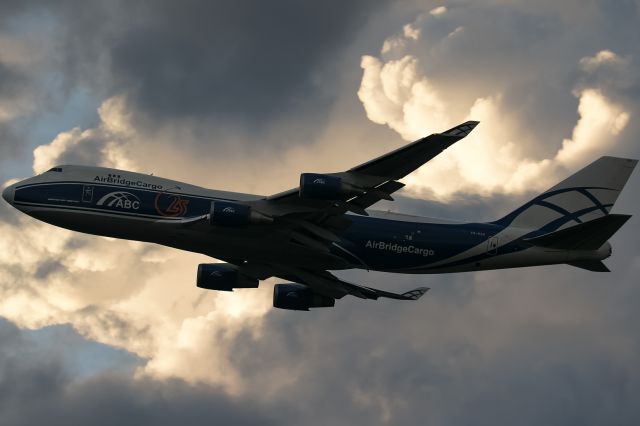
{"x": 36, "y": 389}
{"x": 243, "y": 60}
{"x": 219, "y": 63}
{"x": 11, "y": 81}
{"x": 13, "y": 85}
{"x": 8, "y": 142}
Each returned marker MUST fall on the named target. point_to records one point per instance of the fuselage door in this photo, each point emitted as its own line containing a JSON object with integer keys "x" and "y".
{"x": 87, "y": 193}
{"x": 492, "y": 245}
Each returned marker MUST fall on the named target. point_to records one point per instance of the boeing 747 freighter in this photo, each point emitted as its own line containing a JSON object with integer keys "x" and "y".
{"x": 325, "y": 224}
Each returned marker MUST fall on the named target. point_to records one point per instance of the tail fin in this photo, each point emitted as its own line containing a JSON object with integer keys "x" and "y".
{"x": 584, "y": 196}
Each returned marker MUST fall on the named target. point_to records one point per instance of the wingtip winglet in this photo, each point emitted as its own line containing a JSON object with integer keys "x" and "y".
{"x": 415, "y": 294}
{"x": 462, "y": 130}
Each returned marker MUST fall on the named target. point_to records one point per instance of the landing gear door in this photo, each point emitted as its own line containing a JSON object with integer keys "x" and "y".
{"x": 492, "y": 245}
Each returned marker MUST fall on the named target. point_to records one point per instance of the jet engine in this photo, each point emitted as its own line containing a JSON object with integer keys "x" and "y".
{"x": 325, "y": 187}
{"x": 229, "y": 213}
{"x": 223, "y": 277}
{"x": 298, "y": 297}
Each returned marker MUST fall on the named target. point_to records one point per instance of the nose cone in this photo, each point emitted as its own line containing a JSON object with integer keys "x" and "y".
{"x": 7, "y": 194}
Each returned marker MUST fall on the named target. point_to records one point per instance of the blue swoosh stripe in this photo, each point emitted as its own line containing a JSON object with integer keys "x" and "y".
{"x": 558, "y": 209}
{"x": 508, "y": 219}
{"x": 593, "y": 199}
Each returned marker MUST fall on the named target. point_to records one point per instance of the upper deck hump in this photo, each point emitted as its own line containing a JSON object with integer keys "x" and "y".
{"x": 123, "y": 178}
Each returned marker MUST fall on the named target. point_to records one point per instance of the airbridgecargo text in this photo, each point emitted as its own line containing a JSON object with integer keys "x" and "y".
{"x": 399, "y": 248}
{"x": 117, "y": 179}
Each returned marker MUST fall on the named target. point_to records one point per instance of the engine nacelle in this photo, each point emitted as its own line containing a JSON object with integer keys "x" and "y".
{"x": 229, "y": 213}
{"x": 223, "y": 277}
{"x": 325, "y": 187}
{"x": 298, "y": 297}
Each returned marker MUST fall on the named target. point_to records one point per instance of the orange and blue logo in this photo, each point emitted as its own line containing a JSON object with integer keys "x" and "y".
{"x": 171, "y": 205}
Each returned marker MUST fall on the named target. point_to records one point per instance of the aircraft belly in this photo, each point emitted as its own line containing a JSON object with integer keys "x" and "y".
{"x": 233, "y": 244}
{"x": 96, "y": 223}
{"x": 533, "y": 256}
{"x": 530, "y": 257}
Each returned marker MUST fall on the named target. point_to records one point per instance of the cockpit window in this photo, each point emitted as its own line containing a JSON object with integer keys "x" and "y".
{"x": 55, "y": 169}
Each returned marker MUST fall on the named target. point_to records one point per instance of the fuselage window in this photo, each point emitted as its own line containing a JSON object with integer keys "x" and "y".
{"x": 55, "y": 169}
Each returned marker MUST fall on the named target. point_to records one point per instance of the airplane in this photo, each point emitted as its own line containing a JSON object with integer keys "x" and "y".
{"x": 325, "y": 224}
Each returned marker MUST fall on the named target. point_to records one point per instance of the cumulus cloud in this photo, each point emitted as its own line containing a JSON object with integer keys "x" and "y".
{"x": 399, "y": 94}
{"x": 590, "y": 63}
{"x": 30, "y": 371}
{"x": 100, "y": 146}
{"x": 131, "y": 295}
{"x": 599, "y": 124}
{"x": 504, "y": 345}
{"x": 112, "y": 290}
{"x": 136, "y": 296}
{"x": 437, "y": 11}
{"x": 395, "y": 93}
{"x": 411, "y": 32}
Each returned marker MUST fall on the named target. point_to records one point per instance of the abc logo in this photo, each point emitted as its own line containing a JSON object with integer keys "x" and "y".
{"x": 128, "y": 204}
{"x": 120, "y": 200}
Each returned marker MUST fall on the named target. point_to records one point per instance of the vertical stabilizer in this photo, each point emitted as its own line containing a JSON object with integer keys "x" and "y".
{"x": 584, "y": 196}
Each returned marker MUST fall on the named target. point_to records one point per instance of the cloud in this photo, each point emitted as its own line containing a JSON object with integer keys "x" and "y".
{"x": 138, "y": 297}
{"x": 600, "y": 122}
{"x": 437, "y": 11}
{"x": 591, "y": 63}
{"x": 399, "y": 94}
{"x": 100, "y": 146}
{"x": 219, "y": 71}
{"x": 18, "y": 97}
{"x": 411, "y": 32}
{"x": 127, "y": 294}
{"x": 17, "y": 59}
{"x": 133, "y": 295}
{"x": 155, "y": 312}
{"x": 211, "y": 60}
{"x": 27, "y": 374}
{"x": 395, "y": 94}
{"x": 532, "y": 345}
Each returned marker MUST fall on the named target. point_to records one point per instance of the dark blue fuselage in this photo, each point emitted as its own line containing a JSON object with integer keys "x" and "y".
{"x": 133, "y": 209}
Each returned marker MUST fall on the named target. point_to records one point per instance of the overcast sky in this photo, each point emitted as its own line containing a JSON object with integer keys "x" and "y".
{"x": 245, "y": 95}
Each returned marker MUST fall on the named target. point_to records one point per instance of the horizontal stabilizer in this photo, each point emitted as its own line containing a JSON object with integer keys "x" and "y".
{"x": 590, "y": 265}
{"x": 585, "y": 236}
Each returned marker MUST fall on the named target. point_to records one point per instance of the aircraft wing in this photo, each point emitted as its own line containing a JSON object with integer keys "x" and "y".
{"x": 399, "y": 163}
{"x": 377, "y": 178}
{"x": 325, "y": 283}
{"x": 314, "y": 222}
